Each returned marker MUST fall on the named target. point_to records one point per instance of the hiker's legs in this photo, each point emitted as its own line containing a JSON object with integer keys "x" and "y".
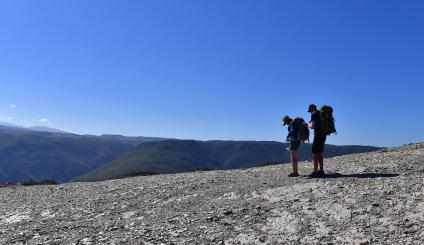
{"x": 315, "y": 158}
{"x": 294, "y": 146}
{"x": 317, "y": 150}
{"x": 321, "y": 158}
{"x": 293, "y": 156}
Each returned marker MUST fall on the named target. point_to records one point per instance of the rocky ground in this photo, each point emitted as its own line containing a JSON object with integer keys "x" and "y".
{"x": 371, "y": 198}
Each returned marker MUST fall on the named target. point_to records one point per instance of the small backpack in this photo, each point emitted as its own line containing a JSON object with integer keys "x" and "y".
{"x": 327, "y": 120}
{"x": 302, "y": 129}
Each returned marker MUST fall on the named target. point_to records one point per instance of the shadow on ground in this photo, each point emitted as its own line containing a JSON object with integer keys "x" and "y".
{"x": 358, "y": 175}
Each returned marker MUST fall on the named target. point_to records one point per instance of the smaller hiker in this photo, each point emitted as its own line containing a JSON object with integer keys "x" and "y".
{"x": 294, "y": 143}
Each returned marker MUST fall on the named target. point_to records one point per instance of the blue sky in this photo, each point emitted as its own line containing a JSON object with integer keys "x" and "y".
{"x": 214, "y": 69}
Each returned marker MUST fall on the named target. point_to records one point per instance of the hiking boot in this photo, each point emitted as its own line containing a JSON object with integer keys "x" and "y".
{"x": 314, "y": 174}
{"x": 317, "y": 173}
{"x": 293, "y": 174}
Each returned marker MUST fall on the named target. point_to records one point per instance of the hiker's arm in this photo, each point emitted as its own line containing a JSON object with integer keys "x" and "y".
{"x": 312, "y": 124}
{"x": 290, "y": 134}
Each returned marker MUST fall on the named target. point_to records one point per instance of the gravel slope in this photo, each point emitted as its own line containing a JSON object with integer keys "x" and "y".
{"x": 366, "y": 198}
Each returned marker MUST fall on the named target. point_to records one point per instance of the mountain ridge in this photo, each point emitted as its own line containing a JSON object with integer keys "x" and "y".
{"x": 34, "y": 155}
{"x": 34, "y": 128}
{"x": 48, "y": 130}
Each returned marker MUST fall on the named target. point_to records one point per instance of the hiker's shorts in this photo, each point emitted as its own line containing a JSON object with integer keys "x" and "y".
{"x": 318, "y": 144}
{"x": 294, "y": 145}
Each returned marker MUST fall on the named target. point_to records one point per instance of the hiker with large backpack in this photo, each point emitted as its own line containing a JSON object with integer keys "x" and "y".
{"x": 298, "y": 133}
{"x": 322, "y": 122}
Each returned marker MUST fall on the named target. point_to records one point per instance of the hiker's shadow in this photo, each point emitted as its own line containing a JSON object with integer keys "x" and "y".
{"x": 357, "y": 175}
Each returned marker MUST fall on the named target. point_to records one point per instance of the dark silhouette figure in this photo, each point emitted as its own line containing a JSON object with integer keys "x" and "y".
{"x": 319, "y": 140}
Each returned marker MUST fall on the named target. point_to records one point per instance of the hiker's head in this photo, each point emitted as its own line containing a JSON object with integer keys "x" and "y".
{"x": 286, "y": 120}
{"x": 312, "y": 108}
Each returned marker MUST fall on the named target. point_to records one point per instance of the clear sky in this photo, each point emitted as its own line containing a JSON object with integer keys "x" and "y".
{"x": 221, "y": 69}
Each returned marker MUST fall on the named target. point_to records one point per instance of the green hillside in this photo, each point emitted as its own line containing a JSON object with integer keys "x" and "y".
{"x": 27, "y": 154}
{"x": 173, "y": 156}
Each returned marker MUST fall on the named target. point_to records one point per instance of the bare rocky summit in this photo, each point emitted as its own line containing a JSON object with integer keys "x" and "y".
{"x": 369, "y": 198}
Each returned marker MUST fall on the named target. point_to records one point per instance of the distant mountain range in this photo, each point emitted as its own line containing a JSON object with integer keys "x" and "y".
{"x": 30, "y": 154}
{"x": 173, "y": 156}
{"x": 43, "y": 153}
{"x": 35, "y": 128}
{"x": 9, "y": 125}
{"x": 48, "y": 130}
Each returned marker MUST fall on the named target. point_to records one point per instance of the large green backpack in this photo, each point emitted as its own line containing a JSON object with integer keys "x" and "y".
{"x": 327, "y": 120}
